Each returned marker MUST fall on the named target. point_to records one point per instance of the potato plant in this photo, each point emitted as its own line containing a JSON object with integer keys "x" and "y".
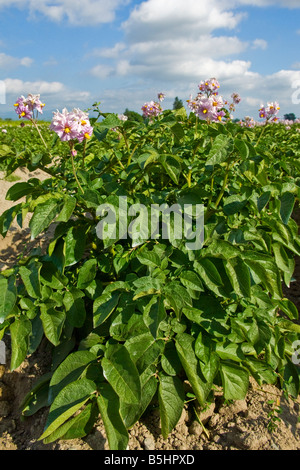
{"x": 132, "y": 319}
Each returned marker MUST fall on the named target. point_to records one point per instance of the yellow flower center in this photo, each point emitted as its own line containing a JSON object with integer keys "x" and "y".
{"x": 204, "y": 111}
{"x": 220, "y": 118}
{"x": 87, "y": 136}
{"x": 83, "y": 123}
{"x": 23, "y": 114}
{"x": 67, "y": 130}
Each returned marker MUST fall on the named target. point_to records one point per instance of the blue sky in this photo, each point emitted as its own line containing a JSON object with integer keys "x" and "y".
{"x": 123, "y": 52}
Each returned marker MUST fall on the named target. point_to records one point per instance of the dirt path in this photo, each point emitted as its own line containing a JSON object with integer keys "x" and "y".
{"x": 242, "y": 425}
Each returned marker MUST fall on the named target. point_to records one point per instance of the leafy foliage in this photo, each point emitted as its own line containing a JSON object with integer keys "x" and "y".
{"x": 131, "y": 318}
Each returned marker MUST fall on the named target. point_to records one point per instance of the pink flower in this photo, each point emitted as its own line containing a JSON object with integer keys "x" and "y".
{"x": 209, "y": 86}
{"x": 25, "y": 107}
{"x": 122, "y": 117}
{"x": 236, "y": 98}
{"x": 151, "y": 109}
{"x": 161, "y": 96}
{"x": 206, "y": 109}
{"x": 24, "y": 112}
{"x": 74, "y": 125}
{"x": 269, "y": 113}
{"x": 33, "y": 102}
{"x": 65, "y": 127}
{"x": 85, "y": 133}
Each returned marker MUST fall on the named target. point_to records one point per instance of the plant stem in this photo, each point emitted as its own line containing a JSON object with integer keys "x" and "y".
{"x": 223, "y": 186}
{"x": 261, "y": 134}
{"x": 40, "y": 134}
{"x": 74, "y": 172}
{"x": 83, "y": 153}
{"x": 131, "y": 155}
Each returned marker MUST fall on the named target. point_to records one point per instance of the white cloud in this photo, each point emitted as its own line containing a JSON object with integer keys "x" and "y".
{"x": 109, "y": 52}
{"x": 262, "y": 3}
{"x": 8, "y": 62}
{"x": 17, "y": 86}
{"x": 77, "y": 12}
{"x": 162, "y": 19}
{"x": 260, "y": 44}
{"x": 102, "y": 71}
{"x": 55, "y": 94}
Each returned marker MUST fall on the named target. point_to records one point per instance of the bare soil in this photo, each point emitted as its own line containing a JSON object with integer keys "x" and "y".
{"x": 243, "y": 425}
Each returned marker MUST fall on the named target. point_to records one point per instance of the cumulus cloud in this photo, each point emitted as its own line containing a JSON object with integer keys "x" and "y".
{"x": 17, "y": 86}
{"x": 160, "y": 20}
{"x": 260, "y": 44}
{"x": 263, "y": 3}
{"x": 77, "y": 12}
{"x": 8, "y": 62}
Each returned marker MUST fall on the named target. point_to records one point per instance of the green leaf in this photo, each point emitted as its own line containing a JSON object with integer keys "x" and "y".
{"x": 144, "y": 350}
{"x": 281, "y": 258}
{"x": 242, "y": 148}
{"x": 19, "y": 190}
{"x": 170, "y": 361}
{"x": 104, "y": 306}
{"x": 74, "y": 245}
{"x": 171, "y": 401}
{"x": 70, "y": 399}
{"x": 123, "y": 376}
{"x": 43, "y": 215}
{"x": 234, "y": 204}
{"x": 154, "y": 314}
{"x": 263, "y": 200}
{"x": 266, "y": 270}
{"x": 75, "y": 307}
{"x": 109, "y": 122}
{"x": 31, "y": 278}
{"x": 52, "y": 277}
{"x": 146, "y": 286}
{"x": 87, "y": 273}
{"x": 53, "y": 321}
{"x": 37, "y": 397}
{"x": 235, "y": 381}
{"x": 77, "y": 427}
{"x": 230, "y": 351}
{"x": 177, "y": 296}
{"x": 290, "y": 375}
{"x": 20, "y": 331}
{"x": 287, "y": 202}
{"x": 132, "y": 413}
{"x": 218, "y": 153}
{"x": 261, "y": 371}
{"x": 191, "y": 280}
{"x": 8, "y": 296}
{"x": 239, "y": 275}
{"x": 149, "y": 258}
{"x": 289, "y": 308}
{"x": 67, "y": 209}
{"x": 185, "y": 348}
{"x": 8, "y": 217}
{"x": 172, "y": 167}
{"x": 109, "y": 406}
{"x": 69, "y": 371}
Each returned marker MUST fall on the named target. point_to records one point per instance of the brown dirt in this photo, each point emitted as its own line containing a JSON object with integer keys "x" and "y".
{"x": 243, "y": 425}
